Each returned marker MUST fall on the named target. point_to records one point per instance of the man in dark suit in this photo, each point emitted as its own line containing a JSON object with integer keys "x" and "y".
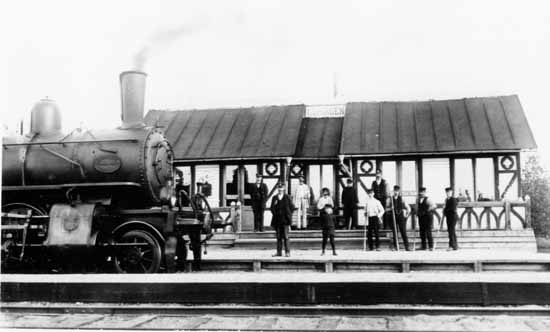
{"x": 425, "y": 210}
{"x": 281, "y": 208}
{"x": 380, "y": 188}
{"x": 350, "y": 201}
{"x": 258, "y": 195}
{"x": 451, "y": 217}
{"x": 401, "y": 211}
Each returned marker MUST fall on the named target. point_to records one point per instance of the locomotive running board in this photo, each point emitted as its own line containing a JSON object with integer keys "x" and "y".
{"x": 71, "y": 142}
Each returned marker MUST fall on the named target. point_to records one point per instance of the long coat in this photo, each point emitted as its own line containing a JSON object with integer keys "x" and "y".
{"x": 258, "y": 196}
{"x": 281, "y": 210}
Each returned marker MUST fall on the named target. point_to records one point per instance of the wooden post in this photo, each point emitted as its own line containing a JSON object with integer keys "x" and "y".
{"x": 237, "y": 225}
{"x": 496, "y": 177}
{"x": 282, "y": 176}
{"x": 507, "y": 211}
{"x": 420, "y": 179}
{"x": 257, "y": 266}
{"x": 399, "y": 171}
{"x": 336, "y": 189}
{"x": 237, "y": 210}
{"x": 474, "y": 168}
{"x": 240, "y": 188}
{"x": 193, "y": 180}
{"x": 452, "y": 173}
{"x": 222, "y": 185}
{"x": 355, "y": 178}
{"x": 518, "y": 170}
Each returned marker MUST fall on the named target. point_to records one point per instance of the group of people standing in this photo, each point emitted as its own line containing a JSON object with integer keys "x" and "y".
{"x": 380, "y": 208}
{"x": 282, "y": 207}
{"x": 392, "y": 212}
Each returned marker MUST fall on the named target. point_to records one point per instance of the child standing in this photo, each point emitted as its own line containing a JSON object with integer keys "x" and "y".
{"x": 325, "y": 206}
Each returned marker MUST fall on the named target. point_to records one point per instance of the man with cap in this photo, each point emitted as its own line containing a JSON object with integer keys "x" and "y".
{"x": 425, "y": 209}
{"x": 301, "y": 202}
{"x": 380, "y": 188}
{"x": 281, "y": 208}
{"x": 451, "y": 217}
{"x": 401, "y": 210}
{"x": 350, "y": 201}
{"x": 258, "y": 195}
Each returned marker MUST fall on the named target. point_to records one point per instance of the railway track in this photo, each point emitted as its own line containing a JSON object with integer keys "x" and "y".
{"x": 273, "y": 318}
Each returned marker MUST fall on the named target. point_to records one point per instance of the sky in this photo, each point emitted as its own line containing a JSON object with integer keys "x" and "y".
{"x": 208, "y": 54}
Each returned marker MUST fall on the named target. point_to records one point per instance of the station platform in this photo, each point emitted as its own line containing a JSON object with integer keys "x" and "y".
{"x": 354, "y": 277}
{"x": 273, "y": 288}
{"x": 467, "y": 260}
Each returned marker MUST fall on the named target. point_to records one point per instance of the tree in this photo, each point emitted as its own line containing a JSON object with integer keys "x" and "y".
{"x": 536, "y": 183}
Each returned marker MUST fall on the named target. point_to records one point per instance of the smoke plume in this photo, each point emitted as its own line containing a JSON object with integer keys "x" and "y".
{"x": 161, "y": 39}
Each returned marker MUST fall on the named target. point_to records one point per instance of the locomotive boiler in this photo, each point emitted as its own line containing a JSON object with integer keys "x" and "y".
{"x": 107, "y": 190}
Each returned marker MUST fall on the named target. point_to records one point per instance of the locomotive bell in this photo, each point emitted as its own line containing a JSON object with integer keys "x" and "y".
{"x": 45, "y": 117}
{"x": 132, "y": 95}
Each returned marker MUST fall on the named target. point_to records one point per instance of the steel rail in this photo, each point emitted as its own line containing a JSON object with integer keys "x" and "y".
{"x": 292, "y": 310}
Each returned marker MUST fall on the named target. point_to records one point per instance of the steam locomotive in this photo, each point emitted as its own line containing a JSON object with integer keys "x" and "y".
{"x": 107, "y": 191}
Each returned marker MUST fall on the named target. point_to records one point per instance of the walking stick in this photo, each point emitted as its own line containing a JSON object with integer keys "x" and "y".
{"x": 438, "y": 229}
{"x": 414, "y": 228}
{"x": 394, "y": 226}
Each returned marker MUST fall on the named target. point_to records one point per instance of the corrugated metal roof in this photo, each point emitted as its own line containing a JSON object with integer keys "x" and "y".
{"x": 462, "y": 125}
{"x": 257, "y": 132}
{"x": 368, "y": 128}
{"x": 319, "y": 138}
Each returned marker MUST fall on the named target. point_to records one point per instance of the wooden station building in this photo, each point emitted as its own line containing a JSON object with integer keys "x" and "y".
{"x": 471, "y": 144}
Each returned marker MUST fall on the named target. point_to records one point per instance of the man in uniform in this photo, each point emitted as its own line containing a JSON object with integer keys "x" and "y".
{"x": 380, "y": 189}
{"x": 258, "y": 194}
{"x": 425, "y": 219}
{"x": 350, "y": 201}
{"x": 281, "y": 208}
{"x": 451, "y": 217}
{"x": 401, "y": 210}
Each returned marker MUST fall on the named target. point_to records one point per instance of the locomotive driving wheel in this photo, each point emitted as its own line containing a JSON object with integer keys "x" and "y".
{"x": 11, "y": 252}
{"x": 138, "y": 252}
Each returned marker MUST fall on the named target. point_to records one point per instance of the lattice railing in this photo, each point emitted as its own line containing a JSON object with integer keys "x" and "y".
{"x": 484, "y": 215}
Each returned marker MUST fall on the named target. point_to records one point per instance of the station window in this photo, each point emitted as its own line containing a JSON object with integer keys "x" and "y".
{"x": 436, "y": 177}
{"x": 389, "y": 170}
{"x": 321, "y": 176}
{"x": 250, "y": 171}
{"x": 464, "y": 179}
{"x": 183, "y": 182}
{"x": 485, "y": 179}
{"x": 231, "y": 184}
{"x": 409, "y": 186}
{"x": 207, "y": 181}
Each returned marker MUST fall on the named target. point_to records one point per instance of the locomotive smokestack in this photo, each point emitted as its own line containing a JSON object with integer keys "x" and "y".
{"x": 132, "y": 94}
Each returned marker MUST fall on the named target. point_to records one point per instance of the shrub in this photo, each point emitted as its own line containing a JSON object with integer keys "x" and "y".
{"x": 536, "y": 183}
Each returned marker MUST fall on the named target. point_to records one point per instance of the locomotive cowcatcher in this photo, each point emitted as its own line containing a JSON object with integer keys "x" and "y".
{"x": 105, "y": 192}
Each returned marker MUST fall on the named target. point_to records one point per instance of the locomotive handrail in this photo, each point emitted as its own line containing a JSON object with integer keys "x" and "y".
{"x": 67, "y": 159}
{"x": 72, "y": 142}
{"x": 66, "y": 185}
